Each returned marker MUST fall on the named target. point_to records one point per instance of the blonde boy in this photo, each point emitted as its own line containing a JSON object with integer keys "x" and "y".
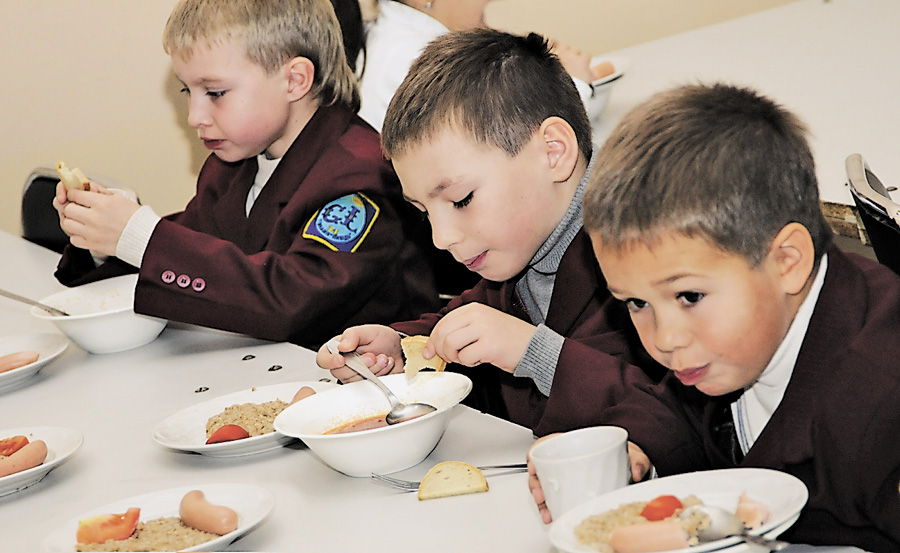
{"x": 704, "y": 215}
{"x": 298, "y": 226}
{"x": 491, "y": 141}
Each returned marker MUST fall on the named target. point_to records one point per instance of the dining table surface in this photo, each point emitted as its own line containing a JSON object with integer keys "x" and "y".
{"x": 116, "y": 400}
{"x": 835, "y": 63}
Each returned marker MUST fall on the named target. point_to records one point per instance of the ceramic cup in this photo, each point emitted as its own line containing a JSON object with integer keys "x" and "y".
{"x": 581, "y": 464}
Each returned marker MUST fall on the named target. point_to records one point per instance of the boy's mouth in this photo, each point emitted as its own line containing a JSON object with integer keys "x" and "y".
{"x": 690, "y": 377}
{"x": 475, "y": 263}
{"x": 212, "y": 144}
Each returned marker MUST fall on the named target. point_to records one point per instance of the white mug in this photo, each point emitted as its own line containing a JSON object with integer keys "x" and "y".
{"x": 581, "y": 464}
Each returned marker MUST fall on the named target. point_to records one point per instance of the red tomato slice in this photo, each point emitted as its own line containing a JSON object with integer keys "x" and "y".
{"x": 661, "y": 507}
{"x": 228, "y": 433}
{"x": 12, "y": 445}
{"x": 101, "y": 528}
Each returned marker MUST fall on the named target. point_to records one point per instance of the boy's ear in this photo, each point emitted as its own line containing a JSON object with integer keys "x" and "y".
{"x": 794, "y": 256}
{"x": 562, "y": 147}
{"x": 300, "y": 74}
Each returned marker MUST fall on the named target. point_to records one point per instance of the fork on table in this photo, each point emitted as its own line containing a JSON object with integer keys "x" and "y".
{"x": 412, "y": 485}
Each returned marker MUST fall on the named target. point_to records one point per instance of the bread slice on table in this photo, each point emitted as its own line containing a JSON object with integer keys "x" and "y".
{"x": 412, "y": 351}
{"x": 452, "y": 478}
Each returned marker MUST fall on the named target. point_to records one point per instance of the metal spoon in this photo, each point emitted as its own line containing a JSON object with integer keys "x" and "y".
{"x": 23, "y": 299}
{"x": 399, "y": 411}
{"x": 724, "y": 524}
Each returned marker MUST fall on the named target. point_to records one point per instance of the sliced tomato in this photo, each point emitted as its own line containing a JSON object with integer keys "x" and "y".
{"x": 227, "y": 433}
{"x": 12, "y": 445}
{"x": 101, "y": 528}
{"x": 661, "y": 507}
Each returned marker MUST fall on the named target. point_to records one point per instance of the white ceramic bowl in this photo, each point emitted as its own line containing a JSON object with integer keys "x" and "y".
{"x": 380, "y": 450}
{"x": 101, "y": 316}
{"x": 603, "y": 87}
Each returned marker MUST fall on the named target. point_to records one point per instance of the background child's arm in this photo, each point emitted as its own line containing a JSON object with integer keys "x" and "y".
{"x": 475, "y": 333}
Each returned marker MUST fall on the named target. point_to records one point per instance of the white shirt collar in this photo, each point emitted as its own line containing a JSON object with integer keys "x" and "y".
{"x": 265, "y": 168}
{"x": 755, "y": 407}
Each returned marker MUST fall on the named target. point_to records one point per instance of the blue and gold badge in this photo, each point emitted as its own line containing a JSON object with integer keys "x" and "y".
{"x": 344, "y": 223}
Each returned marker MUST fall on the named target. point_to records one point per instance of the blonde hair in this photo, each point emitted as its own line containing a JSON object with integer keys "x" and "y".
{"x": 273, "y": 32}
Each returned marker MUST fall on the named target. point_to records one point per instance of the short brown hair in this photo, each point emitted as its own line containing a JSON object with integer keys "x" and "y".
{"x": 720, "y": 162}
{"x": 496, "y": 87}
{"x": 274, "y": 31}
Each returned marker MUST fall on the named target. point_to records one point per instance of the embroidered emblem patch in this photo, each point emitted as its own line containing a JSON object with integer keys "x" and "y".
{"x": 344, "y": 223}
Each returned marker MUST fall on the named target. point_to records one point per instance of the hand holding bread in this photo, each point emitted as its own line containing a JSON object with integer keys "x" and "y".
{"x": 72, "y": 179}
{"x": 415, "y": 361}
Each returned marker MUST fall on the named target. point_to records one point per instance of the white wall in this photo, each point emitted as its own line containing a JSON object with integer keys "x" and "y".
{"x": 88, "y": 82}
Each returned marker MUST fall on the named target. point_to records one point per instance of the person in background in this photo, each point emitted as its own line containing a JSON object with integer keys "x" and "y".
{"x": 705, "y": 218}
{"x": 350, "y": 17}
{"x": 401, "y": 30}
{"x": 298, "y": 226}
{"x": 491, "y": 141}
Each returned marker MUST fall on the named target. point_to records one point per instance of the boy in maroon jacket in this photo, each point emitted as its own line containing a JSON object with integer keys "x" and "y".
{"x": 298, "y": 227}
{"x": 783, "y": 352}
{"x": 490, "y": 139}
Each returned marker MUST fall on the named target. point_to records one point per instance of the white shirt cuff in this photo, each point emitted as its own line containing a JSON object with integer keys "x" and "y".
{"x": 133, "y": 242}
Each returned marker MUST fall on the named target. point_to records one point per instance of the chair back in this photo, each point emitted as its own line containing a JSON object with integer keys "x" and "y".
{"x": 878, "y": 213}
{"x": 40, "y": 222}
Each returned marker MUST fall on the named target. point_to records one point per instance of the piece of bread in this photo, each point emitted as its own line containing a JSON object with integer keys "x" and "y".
{"x": 452, "y": 478}
{"x": 412, "y": 351}
{"x": 73, "y": 179}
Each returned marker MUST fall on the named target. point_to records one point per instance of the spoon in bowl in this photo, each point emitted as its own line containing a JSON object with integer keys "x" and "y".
{"x": 724, "y": 524}
{"x": 29, "y": 301}
{"x": 399, "y": 411}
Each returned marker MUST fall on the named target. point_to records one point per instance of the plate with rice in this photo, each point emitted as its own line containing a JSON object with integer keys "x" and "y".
{"x": 254, "y": 410}
{"x": 252, "y": 504}
{"x": 783, "y": 494}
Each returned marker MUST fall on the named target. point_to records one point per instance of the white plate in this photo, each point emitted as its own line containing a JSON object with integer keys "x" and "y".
{"x": 186, "y": 429}
{"x": 62, "y": 443}
{"x": 252, "y": 503}
{"x": 48, "y": 345}
{"x": 620, "y": 64}
{"x": 783, "y": 494}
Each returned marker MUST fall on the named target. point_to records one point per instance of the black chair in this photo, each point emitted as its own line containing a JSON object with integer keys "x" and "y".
{"x": 40, "y": 222}
{"x": 878, "y": 213}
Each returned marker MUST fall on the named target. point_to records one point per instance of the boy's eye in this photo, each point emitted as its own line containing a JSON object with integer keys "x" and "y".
{"x": 215, "y": 93}
{"x": 464, "y": 202}
{"x": 634, "y": 305}
{"x": 690, "y": 298}
{"x": 185, "y": 90}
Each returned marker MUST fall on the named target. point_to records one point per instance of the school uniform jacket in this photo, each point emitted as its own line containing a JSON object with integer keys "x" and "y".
{"x": 837, "y": 427}
{"x": 594, "y": 366}
{"x": 329, "y": 243}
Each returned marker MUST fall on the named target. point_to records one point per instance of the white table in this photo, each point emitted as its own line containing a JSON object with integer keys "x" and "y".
{"x": 835, "y": 63}
{"x": 115, "y": 400}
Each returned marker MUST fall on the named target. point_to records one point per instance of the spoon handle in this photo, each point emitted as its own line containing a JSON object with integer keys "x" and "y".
{"x": 352, "y": 360}
{"x": 23, "y": 299}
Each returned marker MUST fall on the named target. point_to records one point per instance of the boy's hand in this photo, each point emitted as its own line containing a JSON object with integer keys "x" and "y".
{"x": 378, "y": 345}
{"x": 475, "y": 334}
{"x": 640, "y": 466}
{"x": 95, "y": 219}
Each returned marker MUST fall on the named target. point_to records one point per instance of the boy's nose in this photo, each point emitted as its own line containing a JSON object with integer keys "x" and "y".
{"x": 670, "y": 336}
{"x": 444, "y": 235}
{"x": 197, "y": 116}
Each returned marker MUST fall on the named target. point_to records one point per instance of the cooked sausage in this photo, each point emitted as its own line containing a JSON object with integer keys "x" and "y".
{"x": 18, "y": 359}
{"x": 302, "y": 393}
{"x": 652, "y": 536}
{"x": 197, "y": 512}
{"x": 29, "y": 456}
